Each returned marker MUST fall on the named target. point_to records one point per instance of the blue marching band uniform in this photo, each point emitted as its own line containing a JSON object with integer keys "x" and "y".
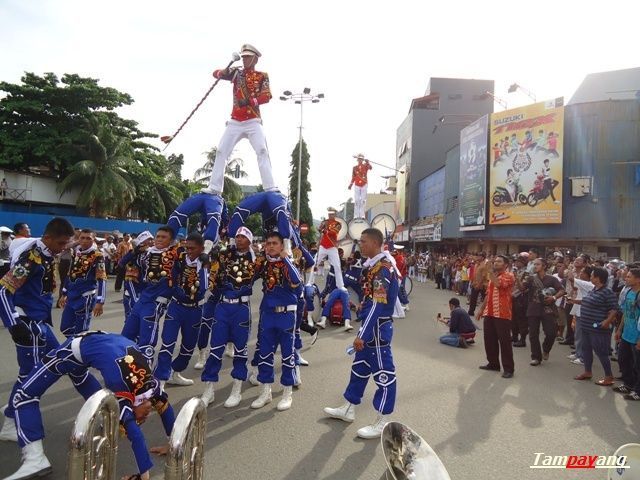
{"x": 84, "y": 287}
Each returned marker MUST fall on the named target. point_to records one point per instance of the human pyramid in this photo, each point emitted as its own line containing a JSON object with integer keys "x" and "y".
{"x": 173, "y": 289}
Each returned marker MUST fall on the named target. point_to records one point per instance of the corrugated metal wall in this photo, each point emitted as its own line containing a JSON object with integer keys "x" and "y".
{"x": 597, "y": 135}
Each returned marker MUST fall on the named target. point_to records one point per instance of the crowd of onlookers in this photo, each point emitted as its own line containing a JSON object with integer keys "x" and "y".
{"x": 589, "y": 305}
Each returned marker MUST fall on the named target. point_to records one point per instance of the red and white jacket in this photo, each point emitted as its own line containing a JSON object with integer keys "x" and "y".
{"x": 359, "y": 174}
{"x": 250, "y": 86}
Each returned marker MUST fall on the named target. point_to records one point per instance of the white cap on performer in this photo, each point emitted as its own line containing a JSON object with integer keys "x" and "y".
{"x": 248, "y": 50}
{"x": 142, "y": 237}
{"x": 359, "y": 156}
{"x": 4, "y": 229}
{"x": 245, "y": 232}
{"x": 331, "y": 211}
{"x": 398, "y": 247}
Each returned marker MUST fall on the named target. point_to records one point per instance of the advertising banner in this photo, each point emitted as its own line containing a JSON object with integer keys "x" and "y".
{"x": 473, "y": 174}
{"x": 525, "y": 165}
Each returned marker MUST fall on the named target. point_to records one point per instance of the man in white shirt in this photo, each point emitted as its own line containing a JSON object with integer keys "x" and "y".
{"x": 577, "y": 288}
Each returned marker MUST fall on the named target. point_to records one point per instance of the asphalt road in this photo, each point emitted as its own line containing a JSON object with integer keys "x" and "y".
{"x": 481, "y": 425}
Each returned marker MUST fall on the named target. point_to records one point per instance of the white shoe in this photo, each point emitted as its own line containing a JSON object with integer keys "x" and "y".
{"x": 375, "y": 429}
{"x": 297, "y": 377}
{"x": 253, "y": 376}
{"x": 577, "y": 361}
{"x": 572, "y": 356}
{"x": 236, "y": 394}
{"x": 310, "y": 321}
{"x": 177, "y": 379}
{"x": 287, "y": 399}
{"x": 162, "y": 385}
{"x": 202, "y": 359}
{"x": 9, "y": 432}
{"x": 406, "y": 308}
{"x": 34, "y": 462}
{"x": 347, "y": 325}
{"x": 209, "y": 394}
{"x": 229, "y": 351}
{"x": 301, "y": 360}
{"x": 322, "y": 323}
{"x": 210, "y": 191}
{"x": 264, "y": 398}
{"x": 346, "y": 412}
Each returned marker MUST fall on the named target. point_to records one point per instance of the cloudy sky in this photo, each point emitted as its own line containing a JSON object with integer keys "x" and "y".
{"x": 368, "y": 58}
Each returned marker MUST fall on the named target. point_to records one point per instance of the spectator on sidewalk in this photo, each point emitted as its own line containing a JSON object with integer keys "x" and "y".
{"x": 579, "y": 287}
{"x": 462, "y": 330}
{"x": 520, "y": 325}
{"x": 479, "y": 281}
{"x": 627, "y": 332}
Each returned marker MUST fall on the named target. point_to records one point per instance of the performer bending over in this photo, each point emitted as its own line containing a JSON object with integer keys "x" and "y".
{"x": 373, "y": 341}
{"x": 250, "y": 90}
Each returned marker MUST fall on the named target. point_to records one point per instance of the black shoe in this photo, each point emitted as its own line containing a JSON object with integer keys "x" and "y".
{"x": 471, "y": 342}
{"x": 507, "y": 375}
{"x": 489, "y": 367}
{"x": 565, "y": 343}
{"x": 520, "y": 343}
{"x": 462, "y": 343}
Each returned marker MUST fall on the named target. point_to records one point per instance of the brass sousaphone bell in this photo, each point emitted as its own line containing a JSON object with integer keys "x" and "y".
{"x": 409, "y": 456}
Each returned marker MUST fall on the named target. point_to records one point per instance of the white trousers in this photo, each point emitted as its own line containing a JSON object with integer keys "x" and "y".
{"x": 359, "y": 201}
{"x": 334, "y": 260}
{"x": 236, "y": 131}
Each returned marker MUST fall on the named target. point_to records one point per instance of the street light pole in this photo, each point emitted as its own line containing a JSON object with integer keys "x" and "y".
{"x": 300, "y": 98}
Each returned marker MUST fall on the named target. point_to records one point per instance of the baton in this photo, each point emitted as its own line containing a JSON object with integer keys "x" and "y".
{"x": 169, "y": 138}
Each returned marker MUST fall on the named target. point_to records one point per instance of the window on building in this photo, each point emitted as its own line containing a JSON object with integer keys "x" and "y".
{"x": 431, "y": 194}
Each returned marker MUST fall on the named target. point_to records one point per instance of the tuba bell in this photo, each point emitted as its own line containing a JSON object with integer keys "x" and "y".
{"x": 408, "y": 456}
{"x": 94, "y": 440}
{"x": 186, "y": 444}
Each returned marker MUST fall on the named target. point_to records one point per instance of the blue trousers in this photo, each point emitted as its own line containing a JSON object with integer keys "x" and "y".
{"x": 30, "y": 353}
{"x": 375, "y": 360}
{"x": 211, "y": 209}
{"x": 276, "y": 329}
{"x": 298, "y": 340}
{"x": 185, "y": 320}
{"x": 77, "y": 314}
{"x": 402, "y": 292}
{"x": 451, "y": 339}
{"x": 143, "y": 324}
{"x": 344, "y": 299}
{"x": 25, "y": 401}
{"x": 231, "y": 322}
{"x": 271, "y": 205}
{"x": 208, "y": 309}
{"x": 354, "y": 283}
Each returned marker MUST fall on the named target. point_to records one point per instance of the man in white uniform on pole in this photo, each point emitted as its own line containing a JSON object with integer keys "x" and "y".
{"x": 250, "y": 90}
{"x": 329, "y": 247}
{"x": 359, "y": 182}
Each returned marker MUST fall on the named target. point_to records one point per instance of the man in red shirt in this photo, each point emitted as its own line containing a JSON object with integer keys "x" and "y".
{"x": 250, "y": 90}
{"x": 329, "y": 247}
{"x": 359, "y": 179}
{"x": 496, "y": 310}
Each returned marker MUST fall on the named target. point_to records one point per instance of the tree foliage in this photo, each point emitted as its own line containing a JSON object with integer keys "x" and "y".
{"x": 305, "y": 188}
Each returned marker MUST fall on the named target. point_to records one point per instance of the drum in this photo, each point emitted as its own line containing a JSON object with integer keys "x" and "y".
{"x": 346, "y": 244}
{"x": 632, "y": 472}
{"x": 356, "y": 227}
{"x": 344, "y": 229}
{"x": 408, "y": 456}
{"x": 385, "y": 223}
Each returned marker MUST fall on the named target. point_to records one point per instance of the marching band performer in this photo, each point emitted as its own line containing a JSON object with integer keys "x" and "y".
{"x": 233, "y": 273}
{"x": 281, "y": 287}
{"x": 133, "y": 284}
{"x": 341, "y": 296}
{"x": 250, "y": 90}
{"x": 184, "y": 313}
{"x": 373, "y": 342}
{"x": 85, "y": 289}
{"x": 26, "y": 294}
{"x": 329, "y": 247}
{"x": 359, "y": 179}
{"x": 303, "y": 261}
{"x": 156, "y": 265}
{"x": 125, "y": 371}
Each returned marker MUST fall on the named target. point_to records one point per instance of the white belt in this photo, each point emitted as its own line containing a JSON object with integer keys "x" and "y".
{"x": 75, "y": 348}
{"x": 89, "y": 293}
{"x": 235, "y": 300}
{"x": 162, "y": 300}
{"x": 288, "y": 308}
{"x": 20, "y": 312}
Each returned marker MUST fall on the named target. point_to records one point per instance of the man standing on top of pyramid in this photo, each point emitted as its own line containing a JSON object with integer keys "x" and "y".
{"x": 250, "y": 90}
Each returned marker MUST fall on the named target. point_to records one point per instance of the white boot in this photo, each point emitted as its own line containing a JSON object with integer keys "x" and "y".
{"x": 9, "y": 432}
{"x": 287, "y": 399}
{"x": 202, "y": 359}
{"x": 253, "y": 376}
{"x": 375, "y": 429}
{"x": 297, "y": 377}
{"x": 209, "y": 393}
{"x": 228, "y": 351}
{"x": 347, "y": 325}
{"x": 310, "y": 319}
{"x": 177, "y": 379}
{"x": 34, "y": 462}
{"x": 322, "y": 323}
{"x": 301, "y": 360}
{"x": 264, "y": 398}
{"x": 346, "y": 412}
{"x": 236, "y": 394}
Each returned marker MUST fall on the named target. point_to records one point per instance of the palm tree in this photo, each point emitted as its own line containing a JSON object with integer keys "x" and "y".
{"x": 233, "y": 169}
{"x": 102, "y": 179}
